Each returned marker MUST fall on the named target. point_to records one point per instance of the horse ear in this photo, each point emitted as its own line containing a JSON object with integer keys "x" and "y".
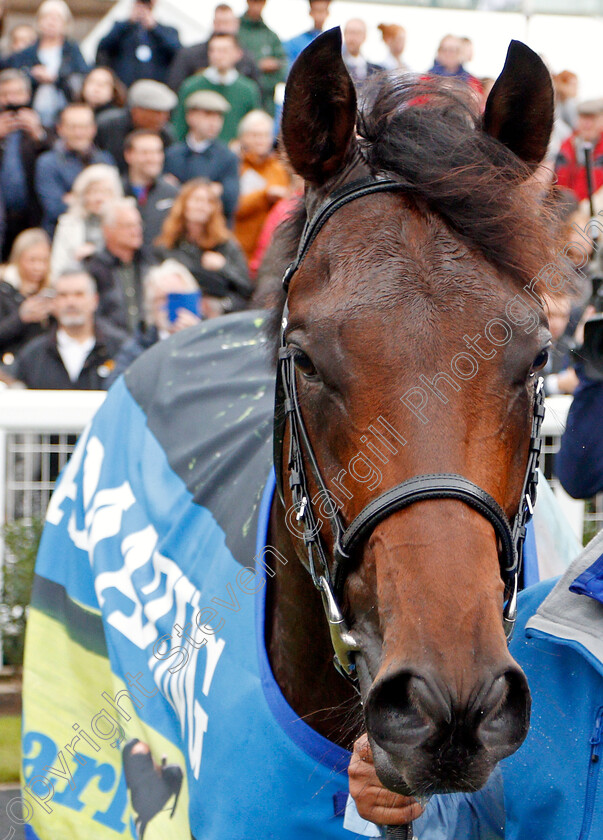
{"x": 519, "y": 109}
{"x": 319, "y": 114}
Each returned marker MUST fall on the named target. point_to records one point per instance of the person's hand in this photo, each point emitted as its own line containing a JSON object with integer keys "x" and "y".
{"x": 29, "y": 122}
{"x": 8, "y": 123}
{"x": 586, "y": 316}
{"x": 374, "y": 802}
{"x": 211, "y": 307}
{"x": 42, "y": 75}
{"x": 213, "y": 261}
{"x": 567, "y": 381}
{"x": 276, "y": 192}
{"x": 184, "y": 318}
{"x": 85, "y": 250}
{"x": 171, "y": 179}
{"x": 35, "y": 309}
{"x": 269, "y": 64}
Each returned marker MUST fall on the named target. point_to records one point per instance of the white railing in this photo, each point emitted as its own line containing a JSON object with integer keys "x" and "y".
{"x": 37, "y": 430}
{"x": 36, "y": 438}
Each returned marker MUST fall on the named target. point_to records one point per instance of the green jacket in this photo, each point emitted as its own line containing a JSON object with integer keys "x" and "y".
{"x": 259, "y": 40}
{"x": 242, "y": 95}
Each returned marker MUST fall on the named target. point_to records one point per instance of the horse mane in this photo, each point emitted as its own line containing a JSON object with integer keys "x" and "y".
{"x": 269, "y": 291}
{"x": 426, "y": 133}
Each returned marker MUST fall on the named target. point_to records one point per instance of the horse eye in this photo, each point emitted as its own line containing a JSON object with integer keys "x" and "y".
{"x": 304, "y": 364}
{"x": 540, "y": 361}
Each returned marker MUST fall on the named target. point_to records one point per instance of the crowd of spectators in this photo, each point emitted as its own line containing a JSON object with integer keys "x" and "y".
{"x": 123, "y": 183}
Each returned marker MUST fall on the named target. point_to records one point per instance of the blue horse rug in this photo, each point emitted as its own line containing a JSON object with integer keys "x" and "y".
{"x": 150, "y": 709}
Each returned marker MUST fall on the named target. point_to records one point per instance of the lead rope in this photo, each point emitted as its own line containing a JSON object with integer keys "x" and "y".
{"x": 399, "y": 832}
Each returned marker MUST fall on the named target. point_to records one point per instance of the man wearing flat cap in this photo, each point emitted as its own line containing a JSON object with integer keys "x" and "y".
{"x": 149, "y": 106}
{"x": 570, "y": 165}
{"x": 201, "y": 154}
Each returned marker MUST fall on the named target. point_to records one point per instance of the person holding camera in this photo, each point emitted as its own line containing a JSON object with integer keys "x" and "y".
{"x": 140, "y": 47}
{"x": 22, "y": 140}
{"x": 579, "y": 464}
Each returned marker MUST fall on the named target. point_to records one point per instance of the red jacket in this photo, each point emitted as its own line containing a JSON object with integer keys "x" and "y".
{"x": 572, "y": 175}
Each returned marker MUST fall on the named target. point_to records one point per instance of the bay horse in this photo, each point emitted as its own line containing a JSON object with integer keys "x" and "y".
{"x": 385, "y": 290}
{"x": 408, "y": 339}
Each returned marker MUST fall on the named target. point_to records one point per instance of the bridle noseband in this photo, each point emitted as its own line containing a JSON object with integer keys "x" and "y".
{"x": 419, "y": 488}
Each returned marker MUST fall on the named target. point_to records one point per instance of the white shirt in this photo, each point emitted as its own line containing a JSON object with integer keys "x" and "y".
{"x": 51, "y": 58}
{"x": 197, "y": 146}
{"x": 73, "y": 353}
{"x": 217, "y": 78}
{"x": 357, "y": 66}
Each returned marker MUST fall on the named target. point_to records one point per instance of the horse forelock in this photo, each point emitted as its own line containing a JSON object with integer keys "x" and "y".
{"x": 427, "y": 134}
{"x": 471, "y": 193}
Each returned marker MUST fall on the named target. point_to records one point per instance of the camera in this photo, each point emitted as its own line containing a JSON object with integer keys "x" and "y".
{"x": 597, "y": 295}
{"x": 591, "y": 352}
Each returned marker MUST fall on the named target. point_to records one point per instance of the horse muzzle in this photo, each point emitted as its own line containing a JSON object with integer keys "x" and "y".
{"x": 427, "y": 741}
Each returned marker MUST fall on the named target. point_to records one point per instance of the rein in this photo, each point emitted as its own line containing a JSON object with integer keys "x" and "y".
{"x": 329, "y": 582}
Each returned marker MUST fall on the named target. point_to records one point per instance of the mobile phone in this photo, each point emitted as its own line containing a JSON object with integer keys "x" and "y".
{"x": 183, "y": 300}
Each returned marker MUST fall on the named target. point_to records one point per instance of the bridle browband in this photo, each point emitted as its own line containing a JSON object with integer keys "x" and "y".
{"x": 330, "y": 581}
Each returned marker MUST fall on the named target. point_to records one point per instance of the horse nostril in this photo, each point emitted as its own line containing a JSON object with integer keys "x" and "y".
{"x": 405, "y": 709}
{"x": 504, "y": 712}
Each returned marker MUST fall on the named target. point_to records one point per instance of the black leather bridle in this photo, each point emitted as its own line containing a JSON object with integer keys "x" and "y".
{"x": 330, "y": 580}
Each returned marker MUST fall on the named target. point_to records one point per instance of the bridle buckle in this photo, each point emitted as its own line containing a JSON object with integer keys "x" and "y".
{"x": 344, "y": 643}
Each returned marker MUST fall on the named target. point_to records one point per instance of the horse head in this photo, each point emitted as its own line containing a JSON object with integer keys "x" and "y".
{"x": 415, "y": 332}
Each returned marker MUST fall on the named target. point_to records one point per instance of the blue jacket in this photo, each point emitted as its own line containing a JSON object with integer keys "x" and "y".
{"x": 55, "y": 173}
{"x": 550, "y": 786}
{"x": 295, "y": 46}
{"x": 217, "y": 163}
{"x": 579, "y": 462}
{"x": 134, "y": 52}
